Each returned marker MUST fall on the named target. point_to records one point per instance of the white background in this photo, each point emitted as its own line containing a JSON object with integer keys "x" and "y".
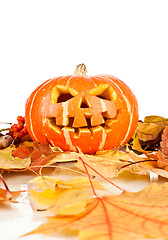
{"x": 45, "y": 39}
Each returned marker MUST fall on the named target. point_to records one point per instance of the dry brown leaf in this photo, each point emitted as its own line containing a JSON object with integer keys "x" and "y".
{"x": 164, "y": 142}
{"x": 162, "y": 154}
{"x": 155, "y": 119}
{"x": 40, "y": 155}
{"x": 148, "y": 131}
{"x": 127, "y": 216}
{"x": 22, "y": 151}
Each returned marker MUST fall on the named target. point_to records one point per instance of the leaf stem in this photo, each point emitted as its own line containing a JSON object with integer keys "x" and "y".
{"x": 84, "y": 164}
{"x": 6, "y": 186}
{"x": 102, "y": 175}
{"x": 150, "y": 160}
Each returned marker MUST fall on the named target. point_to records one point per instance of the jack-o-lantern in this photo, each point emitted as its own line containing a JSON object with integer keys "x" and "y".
{"x": 81, "y": 112}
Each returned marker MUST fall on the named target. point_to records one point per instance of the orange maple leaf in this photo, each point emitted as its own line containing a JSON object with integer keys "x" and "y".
{"x": 126, "y": 216}
{"x": 6, "y": 194}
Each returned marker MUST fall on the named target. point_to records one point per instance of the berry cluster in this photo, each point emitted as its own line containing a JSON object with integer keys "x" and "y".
{"x": 18, "y": 130}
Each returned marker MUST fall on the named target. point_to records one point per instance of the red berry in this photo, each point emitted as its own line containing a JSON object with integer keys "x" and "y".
{"x": 18, "y": 130}
{"x": 20, "y": 126}
{"x": 24, "y": 131}
{"x": 21, "y": 134}
{"x": 14, "y": 126}
{"x": 15, "y": 129}
{"x": 21, "y": 119}
{"x": 16, "y": 134}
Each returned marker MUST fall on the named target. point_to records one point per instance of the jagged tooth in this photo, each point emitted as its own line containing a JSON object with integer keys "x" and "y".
{"x": 80, "y": 131}
{"x": 97, "y": 120}
{"x": 52, "y": 124}
{"x": 106, "y": 114}
{"x": 80, "y": 121}
{"x": 84, "y": 130}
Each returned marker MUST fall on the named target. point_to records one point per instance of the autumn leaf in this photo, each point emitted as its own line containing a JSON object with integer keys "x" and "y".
{"x": 136, "y": 145}
{"x": 35, "y": 156}
{"x": 60, "y": 196}
{"x": 40, "y": 155}
{"x": 45, "y": 155}
{"x": 45, "y": 182}
{"x": 8, "y": 162}
{"x": 126, "y": 216}
{"x": 39, "y": 150}
{"x": 156, "y": 119}
{"x": 148, "y": 133}
{"x": 106, "y": 162}
{"x": 162, "y": 154}
{"x": 8, "y": 195}
{"x": 22, "y": 151}
{"x": 164, "y": 142}
{"x": 156, "y": 162}
{"x": 26, "y": 155}
{"x": 151, "y": 128}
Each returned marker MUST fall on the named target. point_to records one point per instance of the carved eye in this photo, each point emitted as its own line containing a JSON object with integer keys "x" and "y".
{"x": 61, "y": 93}
{"x": 63, "y": 97}
{"x": 102, "y": 97}
{"x": 104, "y": 91}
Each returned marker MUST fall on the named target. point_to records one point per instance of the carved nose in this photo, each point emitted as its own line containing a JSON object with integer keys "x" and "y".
{"x": 84, "y": 103}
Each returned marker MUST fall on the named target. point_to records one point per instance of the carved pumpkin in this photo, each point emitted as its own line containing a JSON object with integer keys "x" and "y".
{"x": 91, "y": 113}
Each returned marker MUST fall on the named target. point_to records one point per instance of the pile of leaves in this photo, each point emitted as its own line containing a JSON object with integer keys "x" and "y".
{"x": 81, "y": 203}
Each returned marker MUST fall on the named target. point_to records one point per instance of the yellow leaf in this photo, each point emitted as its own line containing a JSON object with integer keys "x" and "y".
{"x": 136, "y": 144}
{"x": 48, "y": 197}
{"x": 61, "y": 200}
{"x": 48, "y": 182}
{"x": 60, "y": 195}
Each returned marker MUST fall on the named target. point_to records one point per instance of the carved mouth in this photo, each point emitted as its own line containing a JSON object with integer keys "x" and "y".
{"x": 106, "y": 124}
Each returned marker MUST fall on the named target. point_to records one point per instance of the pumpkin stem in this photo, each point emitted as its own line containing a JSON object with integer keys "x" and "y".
{"x": 80, "y": 70}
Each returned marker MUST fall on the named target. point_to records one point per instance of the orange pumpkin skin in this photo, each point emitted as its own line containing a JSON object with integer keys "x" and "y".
{"x": 91, "y": 113}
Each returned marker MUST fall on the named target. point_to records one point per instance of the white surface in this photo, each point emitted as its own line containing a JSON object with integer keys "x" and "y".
{"x": 44, "y": 39}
